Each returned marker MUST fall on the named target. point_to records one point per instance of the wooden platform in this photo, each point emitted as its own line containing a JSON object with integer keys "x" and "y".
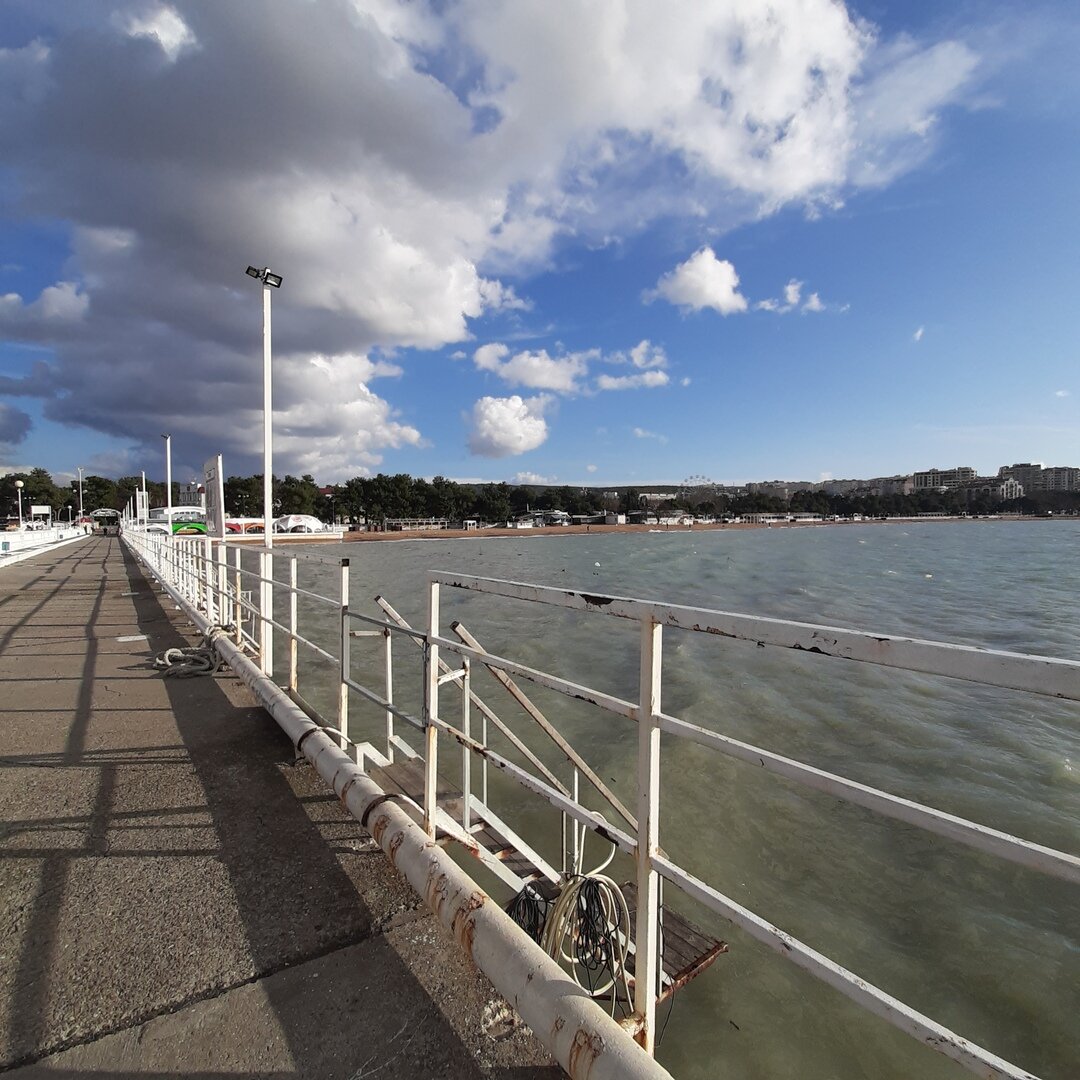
{"x": 687, "y": 950}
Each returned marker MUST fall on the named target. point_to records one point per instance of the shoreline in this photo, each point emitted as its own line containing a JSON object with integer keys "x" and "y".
{"x": 579, "y": 530}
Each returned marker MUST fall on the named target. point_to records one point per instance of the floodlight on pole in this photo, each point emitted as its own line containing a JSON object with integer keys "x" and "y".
{"x": 269, "y": 281}
{"x": 18, "y": 488}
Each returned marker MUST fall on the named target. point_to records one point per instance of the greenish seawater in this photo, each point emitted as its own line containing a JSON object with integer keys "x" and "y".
{"x": 986, "y": 948}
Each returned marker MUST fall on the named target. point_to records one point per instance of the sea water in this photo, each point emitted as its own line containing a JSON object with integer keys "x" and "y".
{"x": 986, "y": 948}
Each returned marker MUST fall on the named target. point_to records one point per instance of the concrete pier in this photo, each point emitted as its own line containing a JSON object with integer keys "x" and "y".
{"x": 177, "y": 895}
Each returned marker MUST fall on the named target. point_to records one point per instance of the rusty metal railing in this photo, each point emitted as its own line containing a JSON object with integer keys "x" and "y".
{"x": 1032, "y": 674}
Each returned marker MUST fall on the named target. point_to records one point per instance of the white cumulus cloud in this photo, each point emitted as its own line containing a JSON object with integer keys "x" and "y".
{"x": 535, "y": 370}
{"x": 502, "y": 427}
{"x": 703, "y": 281}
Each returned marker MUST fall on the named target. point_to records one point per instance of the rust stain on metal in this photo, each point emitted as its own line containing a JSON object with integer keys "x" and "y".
{"x": 584, "y": 1051}
{"x": 395, "y": 844}
{"x": 714, "y": 630}
{"x": 438, "y": 885}
{"x": 379, "y": 827}
{"x": 462, "y": 925}
{"x": 595, "y": 601}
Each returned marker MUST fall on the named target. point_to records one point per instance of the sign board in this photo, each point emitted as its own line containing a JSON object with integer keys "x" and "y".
{"x": 44, "y": 511}
{"x": 215, "y": 497}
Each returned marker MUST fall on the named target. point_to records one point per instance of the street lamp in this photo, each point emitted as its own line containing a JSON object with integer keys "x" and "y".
{"x": 269, "y": 281}
{"x": 18, "y": 489}
{"x": 79, "y": 467}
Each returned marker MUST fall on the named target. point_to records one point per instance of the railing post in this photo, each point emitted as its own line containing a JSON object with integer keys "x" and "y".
{"x": 263, "y": 636}
{"x": 388, "y": 672}
{"x": 292, "y": 624}
{"x": 227, "y": 610}
{"x": 646, "y": 961}
{"x": 466, "y": 753}
{"x": 238, "y": 590}
{"x": 431, "y": 710}
{"x": 208, "y": 580}
{"x": 346, "y": 660}
{"x": 268, "y": 612}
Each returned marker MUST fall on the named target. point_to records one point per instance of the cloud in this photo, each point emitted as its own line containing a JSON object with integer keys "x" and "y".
{"x": 502, "y": 427}
{"x": 793, "y": 299}
{"x": 590, "y": 468}
{"x": 918, "y": 335}
{"x": 535, "y": 370}
{"x": 495, "y": 296}
{"x": 566, "y": 373}
{"x": 164, "y": 26}
{"x": 1061, "y": 393}
{"x": 647, "y": 379}
{"x": 395, "y": 161}
{"x": 532, "y": 478}
{"x": 15, "y": 425}
{"x": 703, "y": 281}
{"x": 51, "y": 317}
{"x": 641, "y": 433}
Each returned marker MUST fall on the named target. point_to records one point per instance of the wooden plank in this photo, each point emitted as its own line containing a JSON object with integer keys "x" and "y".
{"x": 688, "y": 951}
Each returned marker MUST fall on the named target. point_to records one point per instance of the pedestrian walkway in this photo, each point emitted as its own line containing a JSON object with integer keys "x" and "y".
{"x": 177, "y": 896}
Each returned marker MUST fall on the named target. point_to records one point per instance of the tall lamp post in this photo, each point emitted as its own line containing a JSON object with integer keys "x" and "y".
{"x": 269, "y": 281}
{"x": 80, "y": 492}
{"x": 18, "y": 489}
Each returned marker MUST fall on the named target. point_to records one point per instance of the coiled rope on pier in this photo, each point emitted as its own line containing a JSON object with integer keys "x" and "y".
{"x": 188, "y": 662}
{"x": 588, "y": 928}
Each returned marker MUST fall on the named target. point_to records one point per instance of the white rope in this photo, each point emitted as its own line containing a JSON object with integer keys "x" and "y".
{"x": 588, "y": 929}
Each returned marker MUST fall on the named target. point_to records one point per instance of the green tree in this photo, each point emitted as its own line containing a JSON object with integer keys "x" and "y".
{"x": 297, "y": 496}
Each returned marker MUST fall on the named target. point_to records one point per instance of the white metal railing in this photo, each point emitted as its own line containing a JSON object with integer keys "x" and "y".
{"x": 21, "y": 542}
{"x": 210, "y": 575}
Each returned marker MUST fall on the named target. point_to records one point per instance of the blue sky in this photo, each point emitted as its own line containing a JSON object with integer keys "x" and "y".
{"x": 631, "y": 246}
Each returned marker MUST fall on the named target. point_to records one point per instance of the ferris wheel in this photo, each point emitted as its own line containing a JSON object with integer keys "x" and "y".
{"x": 697, "y": 485}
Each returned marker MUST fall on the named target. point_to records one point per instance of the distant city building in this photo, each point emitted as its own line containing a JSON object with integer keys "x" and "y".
{"x": 891, "y": 485}
{"x": 1036, "y": 477}
{"x": 996, "y": 488}
{"x": 190, "y": 495}
{"x": 937, "y": 479}
{"x": 1060, "y": 478}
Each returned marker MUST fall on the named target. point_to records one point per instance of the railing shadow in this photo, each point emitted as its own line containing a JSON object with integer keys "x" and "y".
{"x": 296, "y": 877}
